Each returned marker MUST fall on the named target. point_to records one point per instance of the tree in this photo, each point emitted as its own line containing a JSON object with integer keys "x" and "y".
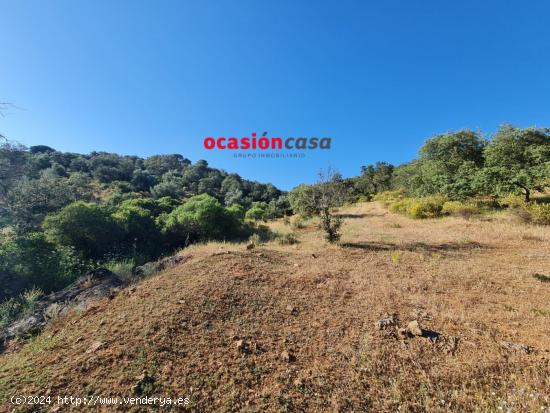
{"x": 33, "y": 261}
{"x": 320, "y": 199}
{"x": 172, "y": 185}
{"x": 329, "y": 193}
{"x": 517, "y": 160}
{"x": 202, "y": 217}
{"x": 257, "y": 211}
{"x": 86, "y": 227}
{"x": 375, "y": 178}
{"x": 300, "y": 199}
{"x": 143, "y": 180}
{"x": 13, "y": 164}
{"x": 448, "y": 165}
{"x": 40, "y": 149}
{"x": 29, "y": 200}
{"x": 140, "y": 235}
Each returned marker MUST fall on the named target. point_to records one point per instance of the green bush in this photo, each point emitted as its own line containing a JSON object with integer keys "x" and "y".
{"x": 139, "y": 233}
{"x": 9, "y": 310}
{"x": 457, "y": 208}
{"x": 401, "y": 206}
{"x": 12, "y": 308}
{"x": 539, "y": 213}
{"x": 88, "y": 228}
{"x": 417, "y": 208}
{"x": 37, "y": 262}
{"x": 429, "y": 207}
{"x": 122, "y": 268}
{"x": 512, "y": 201}
{"x": 389, "y": 197}
{"x": 257, "y": 212}
{"x": 202, "y": 217}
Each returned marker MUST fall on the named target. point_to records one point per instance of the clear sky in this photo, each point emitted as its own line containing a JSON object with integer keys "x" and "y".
{"x": 378, "y": 77}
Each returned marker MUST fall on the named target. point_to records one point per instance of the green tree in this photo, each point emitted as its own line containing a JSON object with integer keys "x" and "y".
{"x": 300, "y": 199}
{"x": 29, "y": 200}
{"x": 257, "y": 211}
{"x": 202, "y": 217}
{"x": 517, "y": 160}
{"x": 448, "y": 165}
{"x": 141, "y": 236}
{"x": 86, "y": 227}
{"x": 375, "y": 178}
{"x": 33, "y": 261}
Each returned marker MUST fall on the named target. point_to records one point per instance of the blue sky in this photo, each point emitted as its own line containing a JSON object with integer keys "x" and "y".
{"x": 378, "y": 77}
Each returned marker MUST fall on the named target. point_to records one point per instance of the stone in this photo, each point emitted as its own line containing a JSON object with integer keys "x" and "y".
{"x": 288, "y": 356}
{"x": 414, "y": 328}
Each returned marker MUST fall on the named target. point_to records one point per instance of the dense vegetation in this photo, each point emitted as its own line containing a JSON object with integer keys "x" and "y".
{"x": 64, "y": 213}
{"x": 465, "y": 164}
{"x": 458, "y": 173}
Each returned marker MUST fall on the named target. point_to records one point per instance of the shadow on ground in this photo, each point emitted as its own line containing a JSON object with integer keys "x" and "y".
{"x": 414, "y": 246}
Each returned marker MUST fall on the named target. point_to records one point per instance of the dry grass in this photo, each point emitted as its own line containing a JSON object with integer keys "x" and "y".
{"x": 306, "y": 314}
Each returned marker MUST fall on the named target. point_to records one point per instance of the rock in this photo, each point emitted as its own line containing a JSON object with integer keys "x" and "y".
{"x": 447, "y": 344}
{"x": 243, "y": 346}
{"x": 421, "y": 314}
{"x": 96, "y": 345}
{"x": 80, "y": 295}
{"x": 313, "y": 256}
{"x": 160, "y": 265}
{"x": 296, "y": 264}
{"x": 388, "y": 321}
{"x": 288, "y": 356}
{"x": 414, "y": 328}
{"x": 524, "y": 348}
{"x": 404, "y": 333}
{"x": 291, "y": 309}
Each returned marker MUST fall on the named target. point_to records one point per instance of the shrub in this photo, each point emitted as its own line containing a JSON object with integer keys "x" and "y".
{"x": 9, "y": 310}
{"x": 122, "y": 268}
{"x": 140, "y": 234}
{"x": 457, "y": 208}
{"x": 36, "y": 262}
{"x": 417, "y": 208}
{"x": 401, "y": 206}
{"x": 202, "y": 217}
{"x": 86, "y": 227}
{"x": 512, "y": 201}
{"x": 255, "y": 239}
{"x": 296, "y": 222}
{"x": 257, "y": 212}
{"x": 428, "y": 207}
{"x": 12, "y": 308}
{"x": 540, "y": 213}
{"x": 30, "y": 297}
{"x": 287, "y": 239}
{"x": 389, "y": 197}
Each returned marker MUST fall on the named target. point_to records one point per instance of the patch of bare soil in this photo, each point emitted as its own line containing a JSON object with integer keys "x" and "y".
{"x": 431, "y": 316}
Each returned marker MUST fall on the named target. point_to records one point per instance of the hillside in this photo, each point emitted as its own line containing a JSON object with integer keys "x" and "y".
{"x": 294, "y": 328}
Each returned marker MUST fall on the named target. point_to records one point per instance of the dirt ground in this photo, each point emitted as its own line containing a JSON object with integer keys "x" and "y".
{"x": 296, "y": 328}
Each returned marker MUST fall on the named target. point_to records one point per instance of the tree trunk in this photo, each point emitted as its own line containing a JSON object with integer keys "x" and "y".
{"x": 527, "y": 192}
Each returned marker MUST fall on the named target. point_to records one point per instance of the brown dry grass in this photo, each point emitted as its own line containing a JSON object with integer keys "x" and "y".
{"x": 471, "y": 281}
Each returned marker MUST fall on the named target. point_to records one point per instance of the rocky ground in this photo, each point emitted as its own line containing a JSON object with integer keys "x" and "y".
{"x": 411, "y": 316}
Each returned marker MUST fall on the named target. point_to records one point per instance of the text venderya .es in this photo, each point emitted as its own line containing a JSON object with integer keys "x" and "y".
{"x": 265, "y": 142}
